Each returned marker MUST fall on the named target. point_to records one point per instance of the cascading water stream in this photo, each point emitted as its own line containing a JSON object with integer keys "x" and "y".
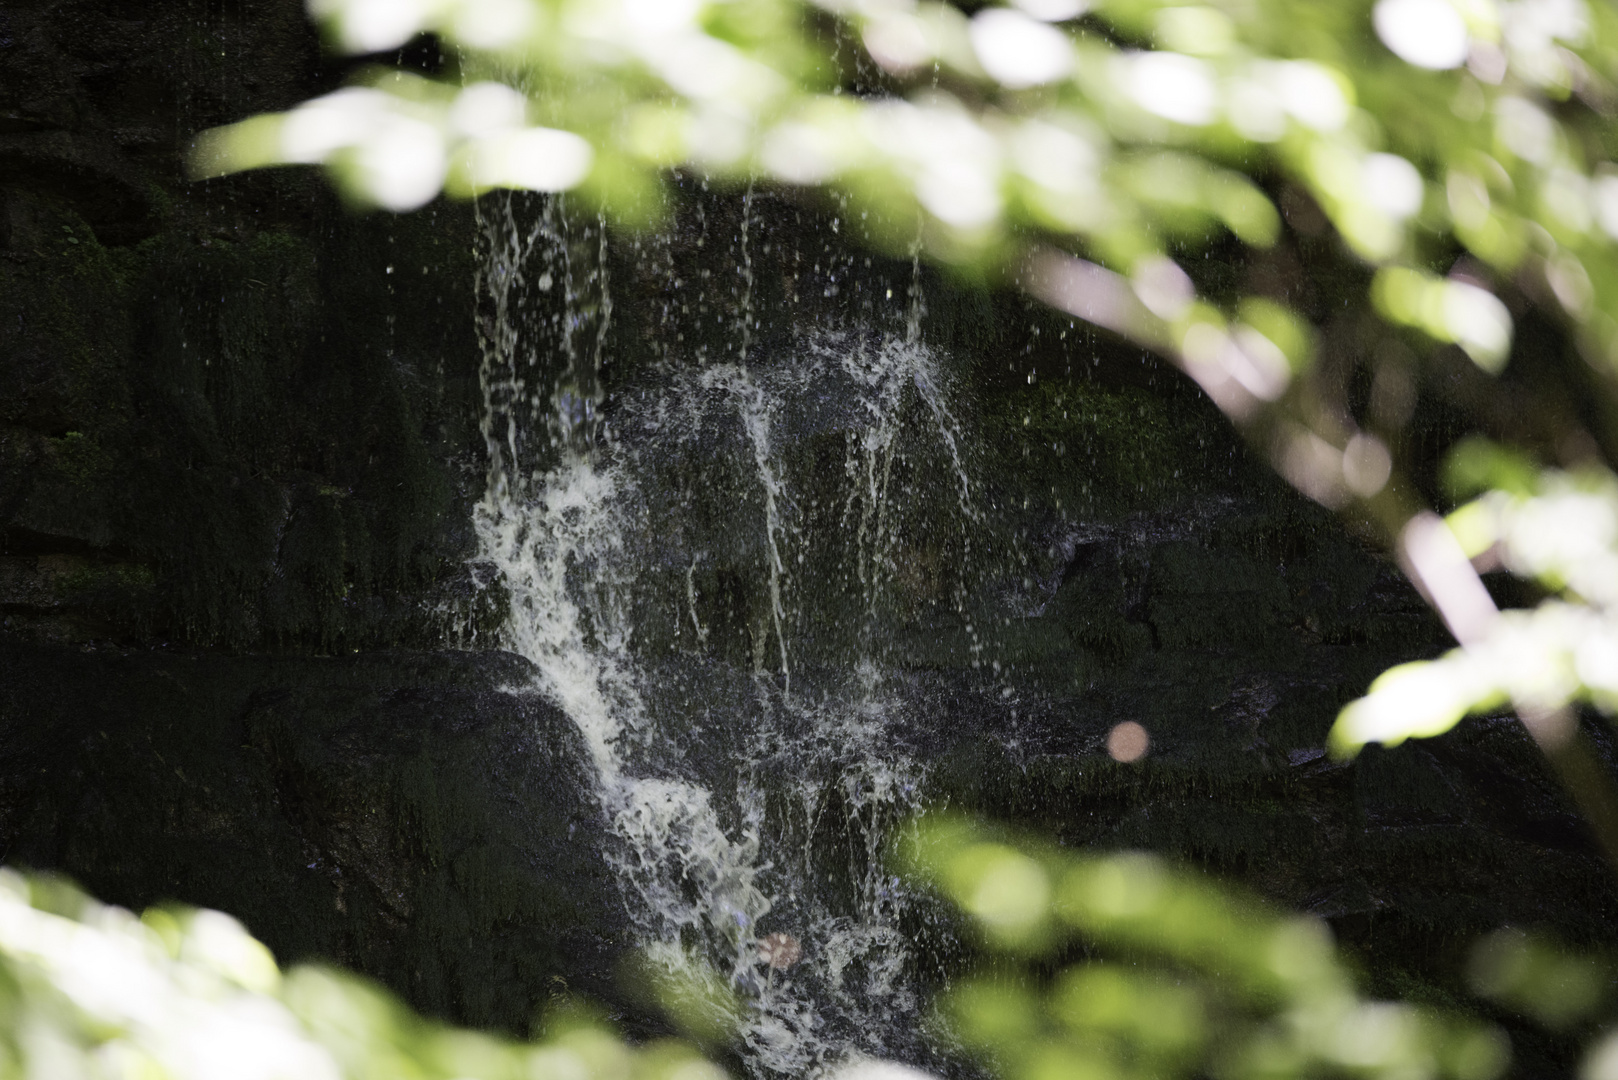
{"x": 754, "y": 409}
{"x": 721, "y": 783}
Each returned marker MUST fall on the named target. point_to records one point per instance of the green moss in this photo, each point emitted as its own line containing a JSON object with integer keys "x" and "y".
{"x": 81, "y": 460}
{"x": 126, "y": 577}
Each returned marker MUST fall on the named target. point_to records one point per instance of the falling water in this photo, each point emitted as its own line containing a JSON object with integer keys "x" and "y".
{"x": 750, "y": 798}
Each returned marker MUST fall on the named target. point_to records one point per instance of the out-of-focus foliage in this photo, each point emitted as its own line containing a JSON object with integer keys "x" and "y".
{"x": 1096, "y": 966}
{"x": 1122, "y": 124}
{"x": 1558, "y": 529}
{"x": 92, "y": 991}
{"x": 1115, "y": 128}
{"x": 1533, "y": 976}
{"x": 1181, "y": 977}
{"x": 1459, "y": 150}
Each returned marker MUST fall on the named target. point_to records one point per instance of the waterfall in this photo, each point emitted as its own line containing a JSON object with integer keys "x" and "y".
{"x": 749, "y": 792}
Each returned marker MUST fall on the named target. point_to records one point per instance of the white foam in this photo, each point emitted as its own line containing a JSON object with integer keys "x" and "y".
{"x": 707, "y": 873}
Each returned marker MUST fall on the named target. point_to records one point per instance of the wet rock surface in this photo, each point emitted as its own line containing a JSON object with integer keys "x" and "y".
{"x": 1234, "y": 643}
{"x": 233, "y": 415}
{"x": 399, "y": 814}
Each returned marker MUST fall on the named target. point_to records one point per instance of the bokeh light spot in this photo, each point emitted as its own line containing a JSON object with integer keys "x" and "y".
{"x": 1128, "y": 741}
{"x": 1173, "y": 86}
{"x": 1018, "y": 51}
{"x": 1426, "y": 33}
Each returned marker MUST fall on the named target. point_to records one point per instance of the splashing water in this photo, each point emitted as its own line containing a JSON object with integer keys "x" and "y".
{"x": 746, "y": 801}
{"x": 755, "y": 409}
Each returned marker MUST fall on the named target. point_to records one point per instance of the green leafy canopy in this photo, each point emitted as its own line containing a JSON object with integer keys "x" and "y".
{"x": 1079, "y": 150}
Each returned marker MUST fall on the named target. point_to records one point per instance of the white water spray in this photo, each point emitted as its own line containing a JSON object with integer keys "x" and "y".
{"x": 708, "y": 871}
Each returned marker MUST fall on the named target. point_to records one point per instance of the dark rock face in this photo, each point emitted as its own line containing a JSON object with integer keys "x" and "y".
{"x": 394, "y": 813}
{"x": 231, "y": 414}
{"x": 1234, "y": 628}
{"x": 236, "y": 417}
{"x": 1237, "y": 671}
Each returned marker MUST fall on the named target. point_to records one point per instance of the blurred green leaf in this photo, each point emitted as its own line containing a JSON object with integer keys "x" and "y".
{"x": 1193, "y": 977}
{"x": 1155, "y": 1014}
{"x": 1476, "y": 464}
{"x": 181, "y": 994}
{"x": 1532, "y": 975}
